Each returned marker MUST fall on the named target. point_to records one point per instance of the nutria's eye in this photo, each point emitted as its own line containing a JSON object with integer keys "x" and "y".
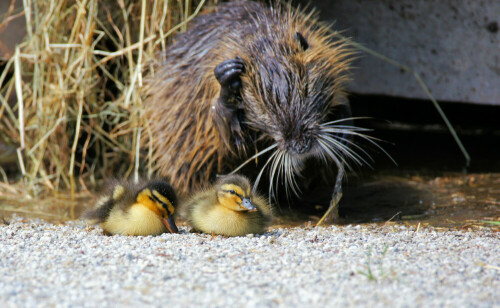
{"x": 302, "y": 41}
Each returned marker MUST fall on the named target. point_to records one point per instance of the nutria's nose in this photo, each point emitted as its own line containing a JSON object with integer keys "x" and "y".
{"x": 300, "y": 146}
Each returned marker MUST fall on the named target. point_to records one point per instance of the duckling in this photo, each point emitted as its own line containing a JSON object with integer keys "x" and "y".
{"x": 229, "y": 208}
{"x": 133, "y": 209}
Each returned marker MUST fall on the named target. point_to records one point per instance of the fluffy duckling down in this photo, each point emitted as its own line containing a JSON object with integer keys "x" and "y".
{"x": 229, "y": 208}
{"x": 137, "y": 209}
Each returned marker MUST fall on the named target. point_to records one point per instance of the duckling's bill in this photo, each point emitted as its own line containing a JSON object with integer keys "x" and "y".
{"x": 248, "y": 205}
{"x": 159, "y": 204}
{"x": 170, "y": 224}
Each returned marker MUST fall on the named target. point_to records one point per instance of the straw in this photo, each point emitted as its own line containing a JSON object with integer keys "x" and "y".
{"x": 70, "y": 95}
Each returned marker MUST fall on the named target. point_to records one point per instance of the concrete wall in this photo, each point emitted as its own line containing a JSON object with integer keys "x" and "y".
{"x": 453, "y": 44}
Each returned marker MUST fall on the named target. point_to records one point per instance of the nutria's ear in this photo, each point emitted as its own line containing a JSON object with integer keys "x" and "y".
{"x": 302, "y": 41}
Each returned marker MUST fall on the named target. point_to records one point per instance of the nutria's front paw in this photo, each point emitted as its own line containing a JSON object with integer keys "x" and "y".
{"x": 229, "y": 115}
{"x": 228, "y": 73}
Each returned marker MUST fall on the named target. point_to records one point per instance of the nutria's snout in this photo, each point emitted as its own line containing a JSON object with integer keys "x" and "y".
{"x": 300, "y": 146}
{"x": 299, "y": 143}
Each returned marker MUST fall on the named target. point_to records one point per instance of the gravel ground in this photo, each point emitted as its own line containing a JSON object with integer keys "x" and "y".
{"x": 42, "y": 264}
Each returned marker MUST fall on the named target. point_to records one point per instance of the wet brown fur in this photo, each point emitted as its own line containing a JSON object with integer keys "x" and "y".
{"x": 190, "y": 145}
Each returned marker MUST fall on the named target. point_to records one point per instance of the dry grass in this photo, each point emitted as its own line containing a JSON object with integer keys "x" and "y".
{"x": 70, "y": 96}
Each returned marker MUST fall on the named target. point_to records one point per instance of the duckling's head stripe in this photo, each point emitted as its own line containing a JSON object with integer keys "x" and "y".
{"x": 145, "y": 199}
{"x": 233, "y": 189}
{"x": 235, "y": 180}
{"x": 167, "y": 205}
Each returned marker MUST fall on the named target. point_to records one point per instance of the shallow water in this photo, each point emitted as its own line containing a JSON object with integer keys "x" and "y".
{"x": 449, "y": 200}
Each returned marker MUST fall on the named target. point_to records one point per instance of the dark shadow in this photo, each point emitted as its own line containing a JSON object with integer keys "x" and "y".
{"x": 383, "y": 200}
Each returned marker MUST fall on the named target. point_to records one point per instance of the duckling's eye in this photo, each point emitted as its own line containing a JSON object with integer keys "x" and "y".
{"x": 232, "y": 192}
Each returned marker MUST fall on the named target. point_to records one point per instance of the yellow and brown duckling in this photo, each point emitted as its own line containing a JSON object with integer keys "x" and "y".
{"x": 229, "y": 208}
{"x": 137, "y": 209}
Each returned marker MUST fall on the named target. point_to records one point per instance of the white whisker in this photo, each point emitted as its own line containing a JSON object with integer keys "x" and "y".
{"x": 347, "y": 127}
{"x": 257, "y": 180}
{"x": 334, "y": 154}
{"x": 339, "y": 161}
{"x": 254, "y": 157}
{"x": 351, "y": 154}
{"x": 355, "y": 131}
{"x": 282, "y": 172}
{"x": 291, "y": 173}
{"x": 344, "y": 131}
{"x": 350, "y": 142}
{"x": 272, "y": 172}
{"x": 371, "y": 140}
{"x": 345, "y": 120}
{"x": 289, "y": 167}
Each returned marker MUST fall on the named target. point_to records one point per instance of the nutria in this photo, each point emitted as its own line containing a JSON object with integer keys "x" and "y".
{"x": 247, "y": 78}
